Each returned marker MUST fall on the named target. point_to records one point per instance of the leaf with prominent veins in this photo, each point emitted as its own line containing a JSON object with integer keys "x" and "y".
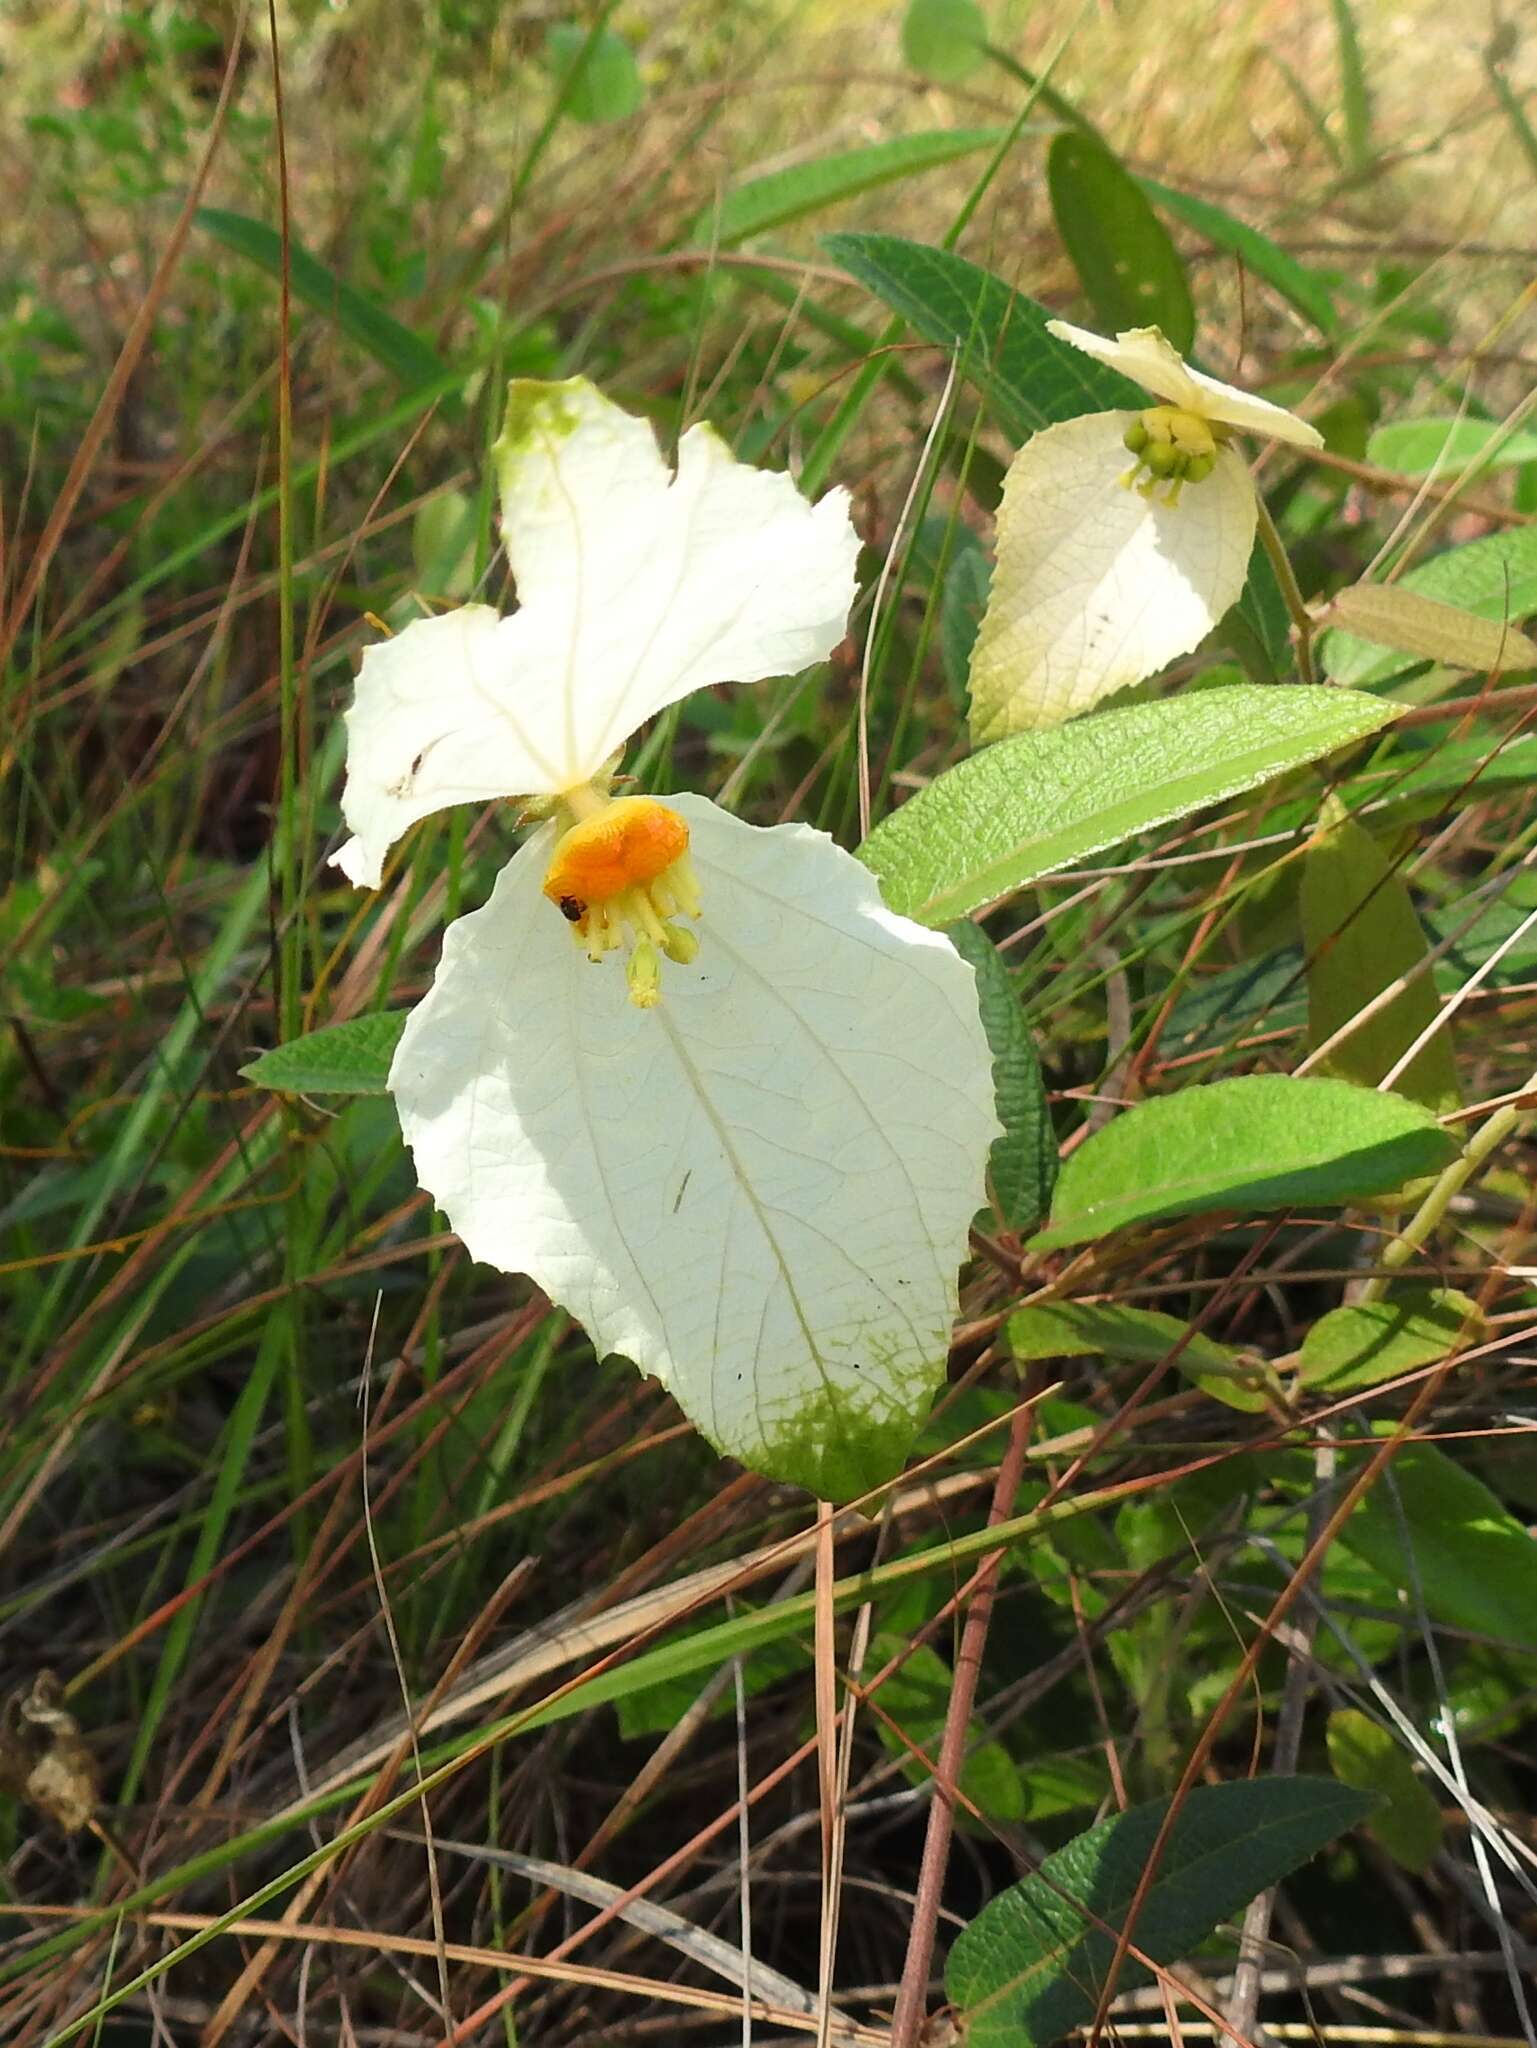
{"x": 760, "y": 1189}
{"x": 636, "y": 586}
{"x": 1098, "y": 584}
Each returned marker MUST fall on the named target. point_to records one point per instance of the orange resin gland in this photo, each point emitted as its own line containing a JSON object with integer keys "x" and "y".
{"x": 626, "y": 845}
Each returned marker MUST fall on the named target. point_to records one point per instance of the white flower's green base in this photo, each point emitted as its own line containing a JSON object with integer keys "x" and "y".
{"x": 758, "y": 1189}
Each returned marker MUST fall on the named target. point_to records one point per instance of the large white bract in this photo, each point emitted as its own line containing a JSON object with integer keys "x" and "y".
{"x": 1103, "y": 576}
{"x": 748, "y": 1158}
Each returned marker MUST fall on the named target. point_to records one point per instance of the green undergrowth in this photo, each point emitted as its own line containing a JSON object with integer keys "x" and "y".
{"x": 278, "y": 1458}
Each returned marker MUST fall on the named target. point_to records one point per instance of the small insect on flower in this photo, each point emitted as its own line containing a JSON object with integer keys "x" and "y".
{"x": 1106, "y": 573}
{"x": 809, "y": 1066}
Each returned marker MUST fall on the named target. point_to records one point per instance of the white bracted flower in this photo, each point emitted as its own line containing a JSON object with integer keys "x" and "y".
{"x": 690, "y": 1075}
{"x": 1107, "y": 572}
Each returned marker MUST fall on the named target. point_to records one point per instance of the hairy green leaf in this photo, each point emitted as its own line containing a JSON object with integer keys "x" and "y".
{"x": 343, "y": 1059}
{"x": 1129, "y": 268}
{"x": 1032, "y": 805}
{"x": 1254, "y": 1143}
{"x": 1033, "y": 1964}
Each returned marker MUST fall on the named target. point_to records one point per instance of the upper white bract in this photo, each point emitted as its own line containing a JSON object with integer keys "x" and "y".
{"x": 1096, "y": 585}
{"x": 759, "y": 1189}
{"x": 635, "y": 587}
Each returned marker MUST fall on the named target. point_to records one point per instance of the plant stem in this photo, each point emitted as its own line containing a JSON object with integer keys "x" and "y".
{"x": 912, "y": 1998}
{"x": 1280, "y": 561}
{"x": 1486, "y": 1140}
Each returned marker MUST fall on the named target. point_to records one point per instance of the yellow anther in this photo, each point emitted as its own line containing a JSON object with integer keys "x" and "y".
{"x": 619, "y": 872}
{"x": 1172, "y": 446}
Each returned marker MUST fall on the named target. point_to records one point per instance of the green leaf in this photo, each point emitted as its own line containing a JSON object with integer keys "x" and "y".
{"x": 1022, "y": 1166}
{"x": 1032, "y": 805}
{"x": 1029, "y": 378}
{"x": 1416, "y": 447}
{"x": 1407, "y": 1821}
{"x": 596, "y": 74}
{"x": 960, "y": 612}
{"x": 1254, "y": 1143}
{"x": 1145, "y": 1336}
{"x": 404, "y": 354}
{"x": 917, "y": 1698}
{"x": 1369, "y": 1342}
{"x": 1032, "y": 1965}
{"x": 1361, "y": 935}
{"x": 344, "y": 1059}
{"x": 1303, "y": 288}
{"x": 1432, "y": 1528}
{"x": 1129, "y": 268}
{"x": 1428, "y": 630}
{"x": 1495, "y": 578}
{"x": 781, "y": 196}
{"x": 944, "y": 40}
{"x": 1355, "y": 92}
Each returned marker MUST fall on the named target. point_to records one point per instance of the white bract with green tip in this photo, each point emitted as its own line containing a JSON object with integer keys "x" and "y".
{"x": 1122, "y": 538}
{"x": 746, "y": 1151}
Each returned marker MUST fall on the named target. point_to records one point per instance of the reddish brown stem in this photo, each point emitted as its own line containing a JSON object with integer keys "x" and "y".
{"x": 912, "y": 1998}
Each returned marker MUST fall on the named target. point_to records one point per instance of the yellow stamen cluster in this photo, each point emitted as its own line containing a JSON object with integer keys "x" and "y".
{"x": 1174, "y": 447}
{"x": 620, "y": 872}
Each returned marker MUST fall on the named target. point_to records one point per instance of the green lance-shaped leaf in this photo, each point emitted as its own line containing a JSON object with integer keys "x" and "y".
{"x": 343, "y": 1059}
{"x": 1368, "y": 1342}
{"x": 1029, "y": 378}
{"x": 1032, "y": 1965}
{"x": 404, "y": 354}
{"x": 779, "y": 197}
{"x": 944, "y": 40}
{"x": 1129, "y": 268}
{"x": 1407, "y": 1821}
{"x": 1494, "y": 578}
{"x": 1022, "y": 1168}
{"x": 1432, "y": 1528}
{"x": 1032, "y": 805}
{"x": 1255, "y": 1143}
{"x": 1423, "y": 627}
{"x": 1143, "y": 1336}
{"x": 1361, "y": 936}
{"x": 1304, "y": 288}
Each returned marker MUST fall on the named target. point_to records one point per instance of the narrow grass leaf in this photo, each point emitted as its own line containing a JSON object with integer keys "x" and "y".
{"x": 1368, "y": 1342}
{"x": 394, "y": 347}
{"x": 1432, "y": 1528}
{"x": 779, "y": 197}
{"x": 343, "y": 1059}
{"x": 1032, "y": 1965}
{"x": 1032, "y": 805}
{"x": 1355, "y": 89}
{"x": 1361, "y": 936}
{"x": 1254, "y": 1143}
{"x": 1300, "y": 287}
{"x": 1128, "y": 266}
{"x": 1022, "y": 1168}
{"x": 1407, "y": 1821}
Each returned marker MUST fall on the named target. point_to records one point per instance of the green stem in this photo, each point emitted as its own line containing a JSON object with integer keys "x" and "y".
{"x": 1291, "y": 593}
{"x": 1416, "y": 1232}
